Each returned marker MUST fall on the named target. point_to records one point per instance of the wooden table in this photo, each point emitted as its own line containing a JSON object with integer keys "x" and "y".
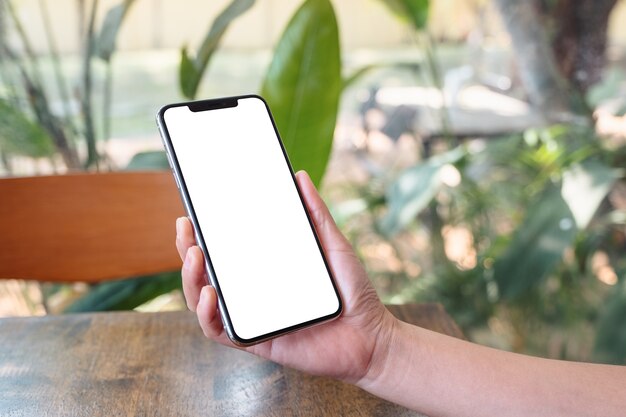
{"x": 160, "y": 364}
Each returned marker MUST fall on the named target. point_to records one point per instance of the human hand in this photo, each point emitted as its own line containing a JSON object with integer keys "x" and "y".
{"x": 346, "y": 348}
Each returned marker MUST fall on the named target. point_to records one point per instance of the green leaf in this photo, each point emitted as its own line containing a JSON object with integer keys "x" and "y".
{"x": 21, "y": 136}
{"x": 610, "y": 343}
{"x": 414, "y": 189}
{"x": 585, "y": 185}
{"x": 537, "y": 246}
{"x": 125, "y": 294}
{"x": 150, "y": 160}
{"x": 191, "y": 69}
{"x": 342, "y": 212}
{"x": 188, "y": 76}
{"x": 607, "y": 88}
{"x": 303, "y": 84}
{"x": 106, "y": 39}
{"x": 359, "y": 73}
{"x": 413, "y": 11}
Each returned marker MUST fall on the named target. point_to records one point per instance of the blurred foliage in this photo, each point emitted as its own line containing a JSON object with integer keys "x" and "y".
{"x": 413, "y": 11}
{"x": 536, "y": 207}
{"x": 148, "y": 161}
{"x": 536, "y": 247}
{"x": 536, "y": 210}
{"x": 125, "y": 294}
{"x": 21, "y": 136}
{"x": 191, "y": 70}
{"x": 29, "y": 94}
{"x": 414, "y": 189}
{"x": 606, "y": 88}
{"x": 610, "y": 343}
{"x": 107, "y": 37}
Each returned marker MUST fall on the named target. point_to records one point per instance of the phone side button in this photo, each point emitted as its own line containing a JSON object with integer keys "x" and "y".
{"x": 169, "y": 159}
{"x": 177, "y": 182}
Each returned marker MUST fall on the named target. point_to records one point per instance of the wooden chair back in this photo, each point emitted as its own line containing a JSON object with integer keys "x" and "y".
{"x": 88, "y": 227}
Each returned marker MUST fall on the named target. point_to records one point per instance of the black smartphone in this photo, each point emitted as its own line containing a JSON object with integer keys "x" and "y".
{"x": 262, "y": 253}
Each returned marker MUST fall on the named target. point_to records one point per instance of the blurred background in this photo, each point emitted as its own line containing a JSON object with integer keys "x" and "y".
{"x": 473, "y": 151}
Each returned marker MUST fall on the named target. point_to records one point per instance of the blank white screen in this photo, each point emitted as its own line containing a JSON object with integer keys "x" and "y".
{"x": 263, "y": 251}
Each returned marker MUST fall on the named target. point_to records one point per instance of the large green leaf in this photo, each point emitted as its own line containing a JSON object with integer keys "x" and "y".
{"x": 303, "y": 84}
{"x": 105, "y": 41}
{"x": 21, "y": 136}
{"x": 414, "y": 189}
{"x": 537, "y": 246}
{"x": 585, "y": 185}
{"x": 126, "y": 294}
{"x": 413, "y": 11}
{"x": 191, "y": 69}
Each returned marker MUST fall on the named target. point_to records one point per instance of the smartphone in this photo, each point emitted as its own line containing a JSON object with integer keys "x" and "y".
{"x": 262, "y": 254}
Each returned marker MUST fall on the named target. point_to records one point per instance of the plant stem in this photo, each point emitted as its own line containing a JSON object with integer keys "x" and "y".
{"x": 107, "y": 100}
{"x": 86, "y": 105}
{"x": 434, "y": 70}
{"x": 436, "y": 236}
{"x": 56, "y": 66}
{"x": 106, "y": 110}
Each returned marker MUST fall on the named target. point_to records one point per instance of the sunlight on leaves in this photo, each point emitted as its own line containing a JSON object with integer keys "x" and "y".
{"x": 415, "y": 188}
{"x": 584, "y": 187}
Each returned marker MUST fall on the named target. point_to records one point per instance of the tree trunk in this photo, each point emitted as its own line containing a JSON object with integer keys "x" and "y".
{"x": 558, "y": 68}
{"x": 580, "y": 38}
{"x": 547, "y": 90}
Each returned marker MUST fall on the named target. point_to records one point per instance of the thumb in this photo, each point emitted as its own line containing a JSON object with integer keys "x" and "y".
{"x": 331, "y": 237}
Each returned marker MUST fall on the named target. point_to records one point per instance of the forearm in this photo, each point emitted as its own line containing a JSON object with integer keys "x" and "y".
{"x": 443, "y": 376}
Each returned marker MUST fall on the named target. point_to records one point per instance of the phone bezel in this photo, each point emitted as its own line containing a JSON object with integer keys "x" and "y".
{"x": 220, "y": 103}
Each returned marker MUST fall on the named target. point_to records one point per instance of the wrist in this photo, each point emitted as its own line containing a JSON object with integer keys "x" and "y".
{"x": 386, "y": 336}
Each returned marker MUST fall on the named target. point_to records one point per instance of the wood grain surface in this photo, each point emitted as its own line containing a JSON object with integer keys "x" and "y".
{"x": 160, "y": 364}
{"x": 88, "y": 227}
